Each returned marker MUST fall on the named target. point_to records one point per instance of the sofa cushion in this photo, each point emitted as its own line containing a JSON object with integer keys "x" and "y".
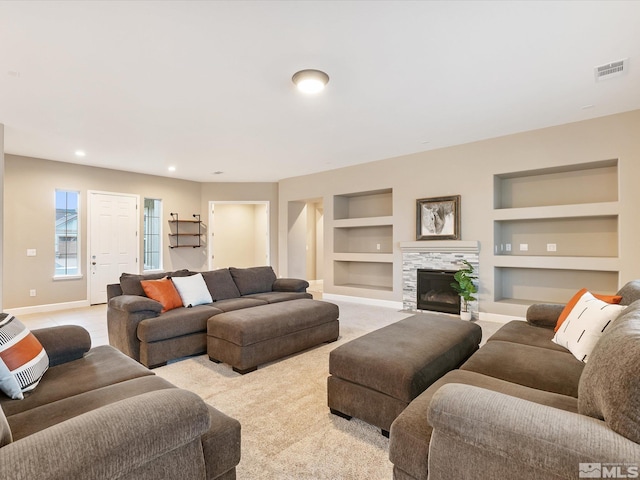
{"x": 175, "y": 323}
{"x": 22, "y": 354}
{"x": 231, "y": 304}
{"x": 585, "y": 324}
{"x": 31, "y": 421}
{"x": 192, "y": 290}
{"x": 535, "y": 367}
{"x": 130, "y": 282}
{"x": 220, "y": 284}
{"x": 610, "y": 385}
{"x": 525, "y": 333}
{"x": 162, "y": 291}
{"x": 253, "y": 280}
{"x": 276, "y": 297}
{"x": 101, "y": 366}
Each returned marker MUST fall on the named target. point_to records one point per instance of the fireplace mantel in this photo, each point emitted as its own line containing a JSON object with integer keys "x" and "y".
{"x": 434, "y": 254}
{"x": 439, "y": 246}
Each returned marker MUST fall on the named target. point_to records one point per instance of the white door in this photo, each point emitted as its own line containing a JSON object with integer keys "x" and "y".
{"x": 113, "y": 241}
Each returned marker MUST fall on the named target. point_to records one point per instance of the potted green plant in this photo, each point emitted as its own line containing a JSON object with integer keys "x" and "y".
{"x": 465, "y": 286}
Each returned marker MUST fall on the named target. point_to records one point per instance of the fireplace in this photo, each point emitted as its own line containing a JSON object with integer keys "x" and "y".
{"x": 434, "y": 291}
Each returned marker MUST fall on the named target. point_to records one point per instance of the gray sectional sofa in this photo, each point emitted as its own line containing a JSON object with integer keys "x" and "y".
{"x": 98, "y": 414}
{"x": 524, "y": 407}
{"x": 138, "y": 328}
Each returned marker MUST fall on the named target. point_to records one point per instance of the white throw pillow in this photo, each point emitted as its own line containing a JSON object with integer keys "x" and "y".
{"x": 193, "y": 290}
{"x": 585, "y": 324}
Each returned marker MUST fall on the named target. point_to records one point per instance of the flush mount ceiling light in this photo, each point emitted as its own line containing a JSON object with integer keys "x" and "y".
{"x": 80, "y": 153}
{"x": 310, "y": 81}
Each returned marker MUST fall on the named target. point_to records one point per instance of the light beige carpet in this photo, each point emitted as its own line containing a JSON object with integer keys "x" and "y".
{"x": 287, "y": 430}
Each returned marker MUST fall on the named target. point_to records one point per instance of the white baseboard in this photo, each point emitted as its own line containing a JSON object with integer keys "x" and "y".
{"x": 53, "y": 307}
{"x": 498, "y": 318}
{"x": 362, "y": 300}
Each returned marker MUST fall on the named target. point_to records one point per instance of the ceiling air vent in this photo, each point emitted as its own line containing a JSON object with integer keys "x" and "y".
{"x": 610, "y": 70}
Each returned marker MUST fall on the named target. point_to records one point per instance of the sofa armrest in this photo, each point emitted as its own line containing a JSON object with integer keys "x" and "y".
{"x": 544, "y": 314}
{"x": 117, "y": 441}
{"x": 124, "y": 314}
{"x": 135, "y": 303}
{"x": 290, "y": 285}
{"x": 113, "y": 290}
{"x": 64, "y": 343}
{"x": 482, "y": 434}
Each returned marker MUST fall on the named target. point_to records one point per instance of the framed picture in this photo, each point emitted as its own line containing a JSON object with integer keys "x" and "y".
{"x": 438, "y": 218}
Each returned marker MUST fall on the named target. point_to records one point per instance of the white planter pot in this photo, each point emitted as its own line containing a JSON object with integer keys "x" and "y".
{"x": 465, "y": 316}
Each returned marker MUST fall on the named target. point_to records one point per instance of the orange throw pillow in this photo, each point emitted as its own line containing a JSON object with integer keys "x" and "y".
{"x": 572, "y": 303}
{"x": 162, "y": 291}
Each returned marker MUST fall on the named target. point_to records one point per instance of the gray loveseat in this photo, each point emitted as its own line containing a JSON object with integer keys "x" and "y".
{"x": 138, "y": 328}
{"x": 523, "y": 407}
{"x": 97, "y": 414}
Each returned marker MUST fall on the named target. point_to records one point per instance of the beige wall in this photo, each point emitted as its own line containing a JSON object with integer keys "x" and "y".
{"x": 246, "y": 192}
{"x": 239, "y": 235}
{"x": 29, "y": 216}
{"x": 468, "y": 170}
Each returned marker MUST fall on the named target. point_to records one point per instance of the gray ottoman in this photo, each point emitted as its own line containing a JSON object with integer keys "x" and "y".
{"x": 375, "y": 377}
{"x": 249, "y": 337}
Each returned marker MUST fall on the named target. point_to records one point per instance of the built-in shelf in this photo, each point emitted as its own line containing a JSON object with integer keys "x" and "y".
{"x": 374, "y": 203}
{"x": 185, "y": 233}
{"x": 370, "y": 239}
{"x": 357, "y": 274}
{"x": 593, "y": 182}
{"x": 363, "y": 242}
{"x": 556, "y": 230}
{"x": 525, "y": 286}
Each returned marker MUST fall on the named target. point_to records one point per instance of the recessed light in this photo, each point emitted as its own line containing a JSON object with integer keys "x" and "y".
{"x": 310, "y": 81}
{"x": 172, "y": 168}
{"x": 80, "y": 153}
{"x": 217, "y": 172}
{"x": 587, "y": 107}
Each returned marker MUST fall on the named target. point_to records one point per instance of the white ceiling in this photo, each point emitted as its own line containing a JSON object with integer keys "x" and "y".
{"x": 206, "y": 86}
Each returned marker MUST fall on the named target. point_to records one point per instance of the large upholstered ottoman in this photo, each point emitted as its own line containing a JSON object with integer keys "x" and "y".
{"x": 375, "y": 377}
{"x": 249, "y": 337}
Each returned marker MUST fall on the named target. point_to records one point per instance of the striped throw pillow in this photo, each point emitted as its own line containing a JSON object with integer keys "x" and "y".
{"x": 22, "y": 353}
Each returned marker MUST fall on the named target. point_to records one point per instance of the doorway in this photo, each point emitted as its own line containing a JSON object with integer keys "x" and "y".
{"x": 305, "y": 240}
{"x": 113, "y": 240}
{"x": 239, "y": 234}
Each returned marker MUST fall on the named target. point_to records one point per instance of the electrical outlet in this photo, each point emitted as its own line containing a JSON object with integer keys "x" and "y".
{"x": 551, "y": 247}
{"x": 524, "y": 247}
{"x": 31, "y": 252}
{"x": 507, "y": 247}
{"x": 377, "y": 246}
{"x": 32, "y": 292}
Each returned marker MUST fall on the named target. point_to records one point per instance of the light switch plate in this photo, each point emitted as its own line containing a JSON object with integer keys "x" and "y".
{"x": 31, "y": 252}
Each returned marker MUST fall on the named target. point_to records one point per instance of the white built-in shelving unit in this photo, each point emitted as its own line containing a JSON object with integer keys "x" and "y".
{"x": 363, "y": 243}
{"x": 568, "y": 219}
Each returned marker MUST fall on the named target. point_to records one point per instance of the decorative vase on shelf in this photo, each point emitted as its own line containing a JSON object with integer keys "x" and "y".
{"x": 465, "y": 287}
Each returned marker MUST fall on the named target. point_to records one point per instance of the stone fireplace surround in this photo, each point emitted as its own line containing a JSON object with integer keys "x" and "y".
{"x": 437, "y": 255}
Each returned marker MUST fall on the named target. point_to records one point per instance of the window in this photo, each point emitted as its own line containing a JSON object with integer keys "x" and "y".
{"x": 67, "y": 246}
{"x": 152, "y": 234}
